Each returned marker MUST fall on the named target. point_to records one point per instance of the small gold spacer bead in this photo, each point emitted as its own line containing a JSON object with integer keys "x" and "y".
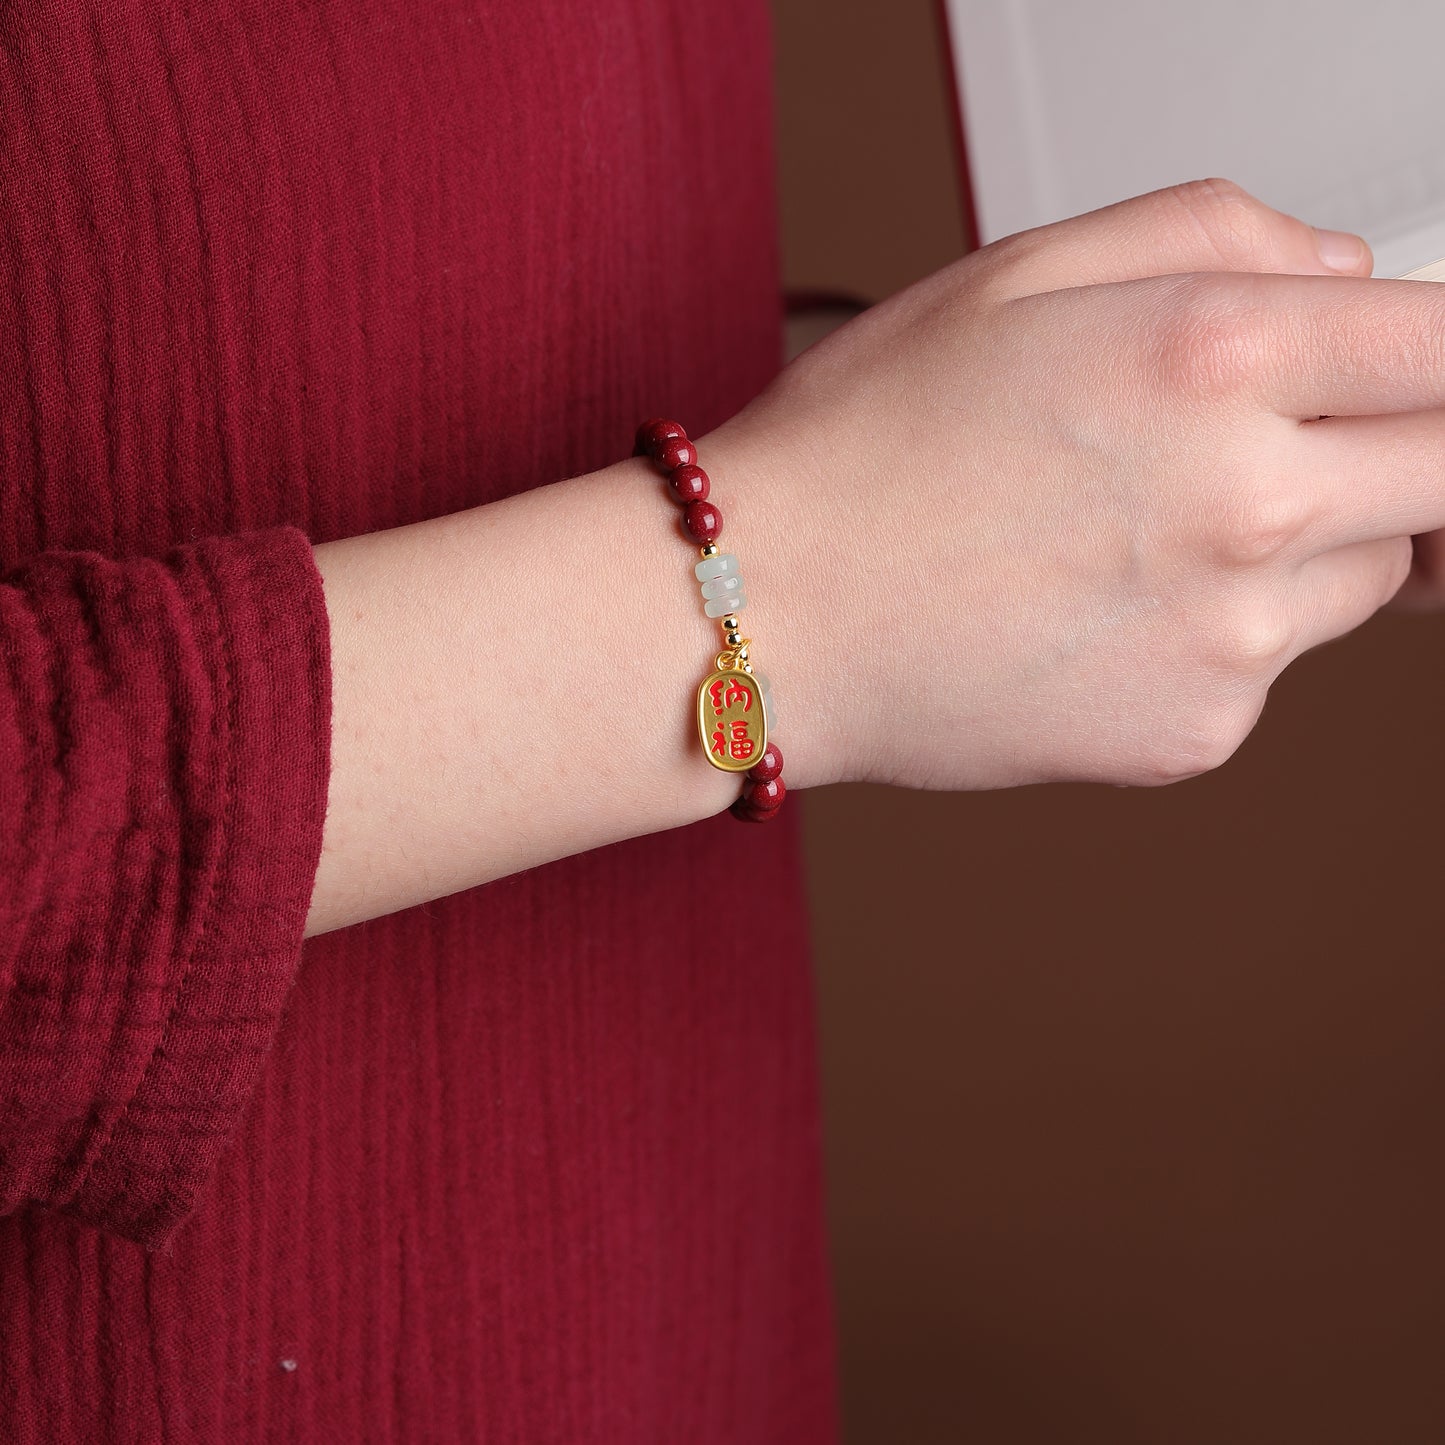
{"x": 747, "y": 667}
{"x": 733, "y": 638}
{"x": 711, "y": 549}
{"x": 730, "y": 623}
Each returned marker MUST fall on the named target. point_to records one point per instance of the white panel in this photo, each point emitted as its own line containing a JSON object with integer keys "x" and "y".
{"x": 1329, "y": 110}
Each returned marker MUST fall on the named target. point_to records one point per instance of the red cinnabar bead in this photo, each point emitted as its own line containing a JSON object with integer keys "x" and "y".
{"x": 702, "y": 520}
{"x": 766, "y": 795}
{"x": 654, "y": 434}
{"x": 768, "y": 766}
{"x": 679, "y": 452}
{"x": 688, "y": 484}
{"x": 741, "y": 808}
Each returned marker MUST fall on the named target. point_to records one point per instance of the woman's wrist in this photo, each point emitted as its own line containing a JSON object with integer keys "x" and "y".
{"x": 772, "y": 523}
{"x": 517, "y": 683}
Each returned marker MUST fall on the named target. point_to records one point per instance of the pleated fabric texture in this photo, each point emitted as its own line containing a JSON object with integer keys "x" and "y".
{"x": 537, "y": 1163}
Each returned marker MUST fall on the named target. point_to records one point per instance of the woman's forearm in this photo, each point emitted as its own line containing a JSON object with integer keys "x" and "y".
{"x": 1061, "y": 511}
{"x": 514, "y": 683}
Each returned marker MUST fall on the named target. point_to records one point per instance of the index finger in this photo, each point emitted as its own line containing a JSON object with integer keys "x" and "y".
{"x": 1350, "y": 346}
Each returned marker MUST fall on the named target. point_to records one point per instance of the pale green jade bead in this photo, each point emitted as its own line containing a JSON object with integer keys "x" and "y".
{"x": 723, "y": 565}
{"x": 722, "y": 587}
{"x": 721, "y": 606}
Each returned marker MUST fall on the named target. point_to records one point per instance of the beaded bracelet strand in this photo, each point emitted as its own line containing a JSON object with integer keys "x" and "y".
{"x": 735, "y": 709}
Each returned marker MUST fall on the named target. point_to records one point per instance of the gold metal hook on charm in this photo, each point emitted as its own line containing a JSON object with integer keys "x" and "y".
{"x": 730, "y": 659}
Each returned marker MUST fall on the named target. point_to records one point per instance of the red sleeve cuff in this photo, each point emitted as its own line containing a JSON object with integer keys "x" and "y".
{"x": 176, "y": 725}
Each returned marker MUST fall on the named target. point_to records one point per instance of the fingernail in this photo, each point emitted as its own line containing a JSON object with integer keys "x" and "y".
{"x": 1340, "y": 250}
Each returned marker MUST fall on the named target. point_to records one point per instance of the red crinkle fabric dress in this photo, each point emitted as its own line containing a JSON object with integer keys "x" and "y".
{"x": 538, "y": 1163}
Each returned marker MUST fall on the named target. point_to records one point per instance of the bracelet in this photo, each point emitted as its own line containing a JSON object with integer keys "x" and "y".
{"x": 734, "y": 705}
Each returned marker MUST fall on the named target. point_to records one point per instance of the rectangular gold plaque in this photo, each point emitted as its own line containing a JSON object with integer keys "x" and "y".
{"x": 731, "y": 722}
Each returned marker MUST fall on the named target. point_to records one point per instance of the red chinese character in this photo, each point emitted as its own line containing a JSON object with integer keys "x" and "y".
{"x": 715, "y": 693}
{"x": 719, "y": 743}
{"x": 741, "y": 746}
{"x": 735, "y": 691}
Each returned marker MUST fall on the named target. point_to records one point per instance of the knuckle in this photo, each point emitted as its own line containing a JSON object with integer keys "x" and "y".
{"x": 1210, "y": 342}
{"x": 1232, "y": 223}
{"x": 1257, "y": 525}
{"x": 1248, "y": 640}
{"x": 1192, "y": 748}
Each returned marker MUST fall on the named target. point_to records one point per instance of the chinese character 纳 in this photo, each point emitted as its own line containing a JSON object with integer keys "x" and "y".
{"x": 738, "y": 691}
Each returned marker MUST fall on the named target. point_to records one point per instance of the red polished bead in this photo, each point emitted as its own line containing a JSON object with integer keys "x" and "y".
{"x": 702, "y": 520}
{"x": 678, "y": 452}
{"x": 741, "y": 808}
{"x": 768, "y": 794}
{"x": 654, "y": 434}
{"x": 688, "y": 484}
{"x": 768, "y": 766}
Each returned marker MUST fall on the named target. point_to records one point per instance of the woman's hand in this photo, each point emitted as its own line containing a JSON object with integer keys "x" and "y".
{"x": 1066, "y": 509}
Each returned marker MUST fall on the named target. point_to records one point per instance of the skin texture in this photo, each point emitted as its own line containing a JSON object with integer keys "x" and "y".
{"x": 1065, "y": 509}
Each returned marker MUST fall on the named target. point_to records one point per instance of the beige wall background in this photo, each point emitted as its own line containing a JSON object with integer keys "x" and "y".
{"x": 1133, "y": 1099}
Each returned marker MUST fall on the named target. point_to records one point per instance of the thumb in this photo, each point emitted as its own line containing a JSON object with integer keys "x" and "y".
{"x": 1206, "y": 225}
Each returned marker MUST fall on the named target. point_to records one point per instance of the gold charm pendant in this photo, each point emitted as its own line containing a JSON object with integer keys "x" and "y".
{"x": 732, "y": 723}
